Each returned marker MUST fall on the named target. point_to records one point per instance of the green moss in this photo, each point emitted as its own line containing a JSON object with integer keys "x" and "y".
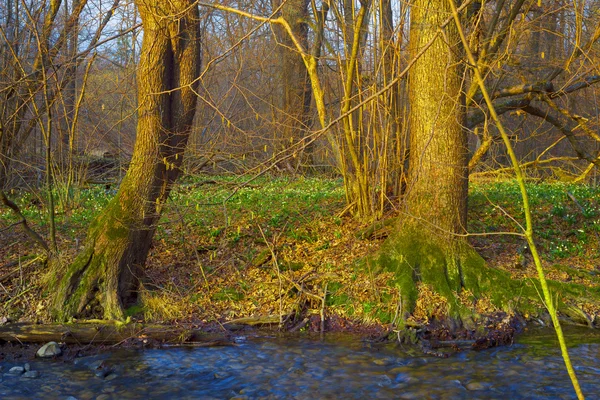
{"x": 228, "y": 294}
{"x": 291, "y": 266}
{"x": 134, "y": 310}
{"x": 414, "y": 256}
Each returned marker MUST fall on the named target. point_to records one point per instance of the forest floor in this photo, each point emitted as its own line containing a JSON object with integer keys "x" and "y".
{"x": 278, "y": 250}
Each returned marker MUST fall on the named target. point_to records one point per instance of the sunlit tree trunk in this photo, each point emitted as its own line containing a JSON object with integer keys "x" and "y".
{"x": 103, "y": 279}
{"x": 437, "y": 191}
{"x": 426, "y": 247}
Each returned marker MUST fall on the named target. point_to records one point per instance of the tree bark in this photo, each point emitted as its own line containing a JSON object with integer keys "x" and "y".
{"x": 297, "y": 93}
{"x": 105, "y": 276}
{"x": 425, "y": 246}
{"x": 438, "y": 179}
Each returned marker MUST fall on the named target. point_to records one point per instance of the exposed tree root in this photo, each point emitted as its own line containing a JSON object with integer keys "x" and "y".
{"x": 103, "y": 280}
{"x": 460, "y": 277}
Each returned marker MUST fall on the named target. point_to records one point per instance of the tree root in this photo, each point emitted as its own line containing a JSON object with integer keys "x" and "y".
{"x": 456, "y": 296}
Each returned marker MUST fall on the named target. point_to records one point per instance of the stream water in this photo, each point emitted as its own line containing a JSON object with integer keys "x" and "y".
{"x": 337, "y": 367}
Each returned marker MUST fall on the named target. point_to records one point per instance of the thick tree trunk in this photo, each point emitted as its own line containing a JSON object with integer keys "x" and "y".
{"x": 425, "y": 247}
{"x": 105, "y": 276}
{"x": 438, "y": 174}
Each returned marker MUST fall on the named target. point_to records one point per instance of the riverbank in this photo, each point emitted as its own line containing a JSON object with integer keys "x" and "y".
{"x": 282, "y": 249}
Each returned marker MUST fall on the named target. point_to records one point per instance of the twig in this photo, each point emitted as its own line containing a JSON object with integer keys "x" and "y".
{"x": 323, "y": 308}
{"x": 276, "y": 265}
{"x": 300, "y": 325}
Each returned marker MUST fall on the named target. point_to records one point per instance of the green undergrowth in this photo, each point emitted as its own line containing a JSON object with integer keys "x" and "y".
{"x": 566, "y": 216}
{"x": 234, "y": 225}
{"x": 211, "y": 205}
{"x": 227, "y": 206}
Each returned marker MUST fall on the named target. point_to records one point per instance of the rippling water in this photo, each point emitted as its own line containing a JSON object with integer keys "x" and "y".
{"x": 339, "y": 367}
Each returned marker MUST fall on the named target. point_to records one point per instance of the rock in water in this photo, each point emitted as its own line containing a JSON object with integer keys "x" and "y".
{"x": 49, "y": 350}
{"x": 16, "y": 371}
{"x": 31, "y": 374}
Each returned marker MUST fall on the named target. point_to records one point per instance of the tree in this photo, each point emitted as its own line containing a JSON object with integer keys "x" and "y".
{"x": 104, "y": 277}
{"x": 427, "y": 245}
{"x": 295, "y": 82}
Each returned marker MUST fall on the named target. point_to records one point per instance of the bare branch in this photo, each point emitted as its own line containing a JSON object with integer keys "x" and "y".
{"x": 565, "y": 130}
{"x": 30, "y": 232}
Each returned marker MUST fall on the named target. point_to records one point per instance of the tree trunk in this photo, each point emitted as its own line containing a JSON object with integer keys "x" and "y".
{"x": 438, "y": 174}
{"x": 104, "y": 278}
{"x": 425, "y": 247}
{"x": 297, "y": 94}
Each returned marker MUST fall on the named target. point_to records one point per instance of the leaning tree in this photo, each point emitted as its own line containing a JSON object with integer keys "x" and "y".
{"x": 104, "y": 277}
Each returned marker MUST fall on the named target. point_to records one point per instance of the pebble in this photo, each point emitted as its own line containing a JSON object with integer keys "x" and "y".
{"x": 88, "y": 394}
{"x": 16, "y": 371}
{"x": 236, "y": 366}
{"x": 98, "y": 364}
{"x": 411, "y": 395}
{"x": 382, "y": 362}
{"x": 102, "y": 373}
{"x": 111, "y": 376}
{"x": 473, "y": 386}
{"x": 49, "y": 350}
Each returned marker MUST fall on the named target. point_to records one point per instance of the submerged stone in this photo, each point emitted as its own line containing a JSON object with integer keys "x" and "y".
{"x": 31, "y": 374}
{"x": 16, "y": 371}
{"x": 111, "y": 376}
{"x": 473, "y": 386}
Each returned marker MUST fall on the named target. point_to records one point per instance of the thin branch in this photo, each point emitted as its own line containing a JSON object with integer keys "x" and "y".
{"x": 30, "y": 232}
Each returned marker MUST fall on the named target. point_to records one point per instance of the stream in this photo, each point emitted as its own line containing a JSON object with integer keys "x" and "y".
{"x": 303, "y": 367}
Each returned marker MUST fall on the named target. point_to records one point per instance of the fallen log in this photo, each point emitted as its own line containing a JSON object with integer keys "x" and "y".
{"x": 108, "y": 332}
{"x": 240, "y": 323}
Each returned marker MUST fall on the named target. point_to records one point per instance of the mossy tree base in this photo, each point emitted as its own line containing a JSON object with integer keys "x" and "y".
{"x": 454, "y": 270}
{"x": 104, "y": 277}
